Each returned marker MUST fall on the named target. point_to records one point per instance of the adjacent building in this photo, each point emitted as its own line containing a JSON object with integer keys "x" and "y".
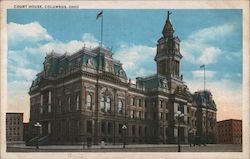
{"x": 14, "y": 127}
{"x": 87, "y": 97}
{"x": 206, "y": 113}
{"x": 230, "y": 131}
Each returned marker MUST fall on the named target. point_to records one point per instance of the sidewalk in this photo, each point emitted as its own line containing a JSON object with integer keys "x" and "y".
{"x": 79, "y": 147}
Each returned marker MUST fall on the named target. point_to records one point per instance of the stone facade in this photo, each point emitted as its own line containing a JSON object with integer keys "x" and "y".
{"x": 206, "y": 113}
{"x": 14, "y": 127}
{"x": 87, "y": 97}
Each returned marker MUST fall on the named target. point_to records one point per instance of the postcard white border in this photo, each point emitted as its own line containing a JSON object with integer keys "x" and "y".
{"x": 227, "y": 4}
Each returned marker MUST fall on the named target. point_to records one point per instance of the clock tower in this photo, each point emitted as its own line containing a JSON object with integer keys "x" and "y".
{"x": 168, "y": 52}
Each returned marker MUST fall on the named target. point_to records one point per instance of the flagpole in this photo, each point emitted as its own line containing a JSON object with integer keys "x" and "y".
{"x": 101, "y": 29}
{"x": 204, "y": 68}
{"x": 204, "y": 78}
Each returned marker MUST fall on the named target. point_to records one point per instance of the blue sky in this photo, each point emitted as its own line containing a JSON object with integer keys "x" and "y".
{"x": 211, "y": 37}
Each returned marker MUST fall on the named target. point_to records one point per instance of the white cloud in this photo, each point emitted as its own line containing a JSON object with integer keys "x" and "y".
{"x": 212, "y": 33}
{"x": 23, "y": 72}
{"x": 56, "y": 46}
{"x": 200, "y": 47}
{"x": 17, "y": 57}
{"x": 134, "y": 58}
{"x": 32, "y": 32}
{"x": 200, "y": 73}
{"x": 209, "y": 55}
{"x": 89, "y": 40}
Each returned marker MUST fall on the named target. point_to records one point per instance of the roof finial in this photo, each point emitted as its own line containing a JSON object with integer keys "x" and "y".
{"x": 169, "y": 13}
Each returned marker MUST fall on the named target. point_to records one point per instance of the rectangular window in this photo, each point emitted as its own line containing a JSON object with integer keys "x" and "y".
{"x": 103, "y": 127}
{"x": 140, "y": 132}
{"x": 120, "y": 106}
{"x": 140, "y": 116}
{"x": 59, "y": 105}
{"x": 145, "y": 115}
{"x": 105, "y": 104}
{"x": 109, "y": 127}
{"x": 145, "y": 131}
{"x": 120, "y": 129}
{"x": 140, "y": 102}
{"x": 69, "y": 104}
{"x": 160, "y": 103}
{"x": 131, "y": 100}
{"x": 89, "y": 126}
{"x": 161, "y": 131}
{"x": 133, "y": 130}
{"x": 160, "y": 116}
{"x": 131, "y": 114}
{"x": 89, "y": 102}
{"x": 77, "y": 102}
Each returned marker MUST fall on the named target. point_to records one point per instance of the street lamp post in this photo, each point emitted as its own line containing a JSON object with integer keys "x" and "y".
{"x": 178, "y": 115}
{"x": 124, "y": 128}
{"x": 38, "y": 126}
{"x": 191, "y": 137}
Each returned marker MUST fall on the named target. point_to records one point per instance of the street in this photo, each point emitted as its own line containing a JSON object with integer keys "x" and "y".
{"x": 129, "y": 148}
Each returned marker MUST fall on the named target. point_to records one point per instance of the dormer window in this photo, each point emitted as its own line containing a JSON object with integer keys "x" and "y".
{"x": 177, "y": 46}
{"x": 90, "y": 62}
{"x": 106, "y": 66}
{"x": 47, "y": 67}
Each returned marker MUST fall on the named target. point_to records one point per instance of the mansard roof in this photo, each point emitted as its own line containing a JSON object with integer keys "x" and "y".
{"x": 204, "y": 99}
{"x": 98, "y": 58}
{"x": 152, "y": 82}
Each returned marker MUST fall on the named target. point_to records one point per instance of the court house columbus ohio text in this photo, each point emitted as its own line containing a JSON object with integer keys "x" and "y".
{"x": 86, "y": 97}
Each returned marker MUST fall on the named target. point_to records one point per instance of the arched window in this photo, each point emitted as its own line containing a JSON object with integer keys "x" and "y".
{"x": 89, "y": 102}
{"x": 102, "y": 104}
{"x": 69, "y": 105}
{"x": 120, "y": 106}
{"x": 59, "y": 105}
{"x": 105, "y": 104}
{"x": 77, "y": 102}
{"x": 108, "y": 104}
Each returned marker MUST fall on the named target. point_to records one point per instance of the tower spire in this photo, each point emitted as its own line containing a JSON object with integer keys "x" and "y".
{"x": 168, "y": 29}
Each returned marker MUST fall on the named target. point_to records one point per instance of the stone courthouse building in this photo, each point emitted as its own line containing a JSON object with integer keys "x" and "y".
{"x": 87, "y": 97}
